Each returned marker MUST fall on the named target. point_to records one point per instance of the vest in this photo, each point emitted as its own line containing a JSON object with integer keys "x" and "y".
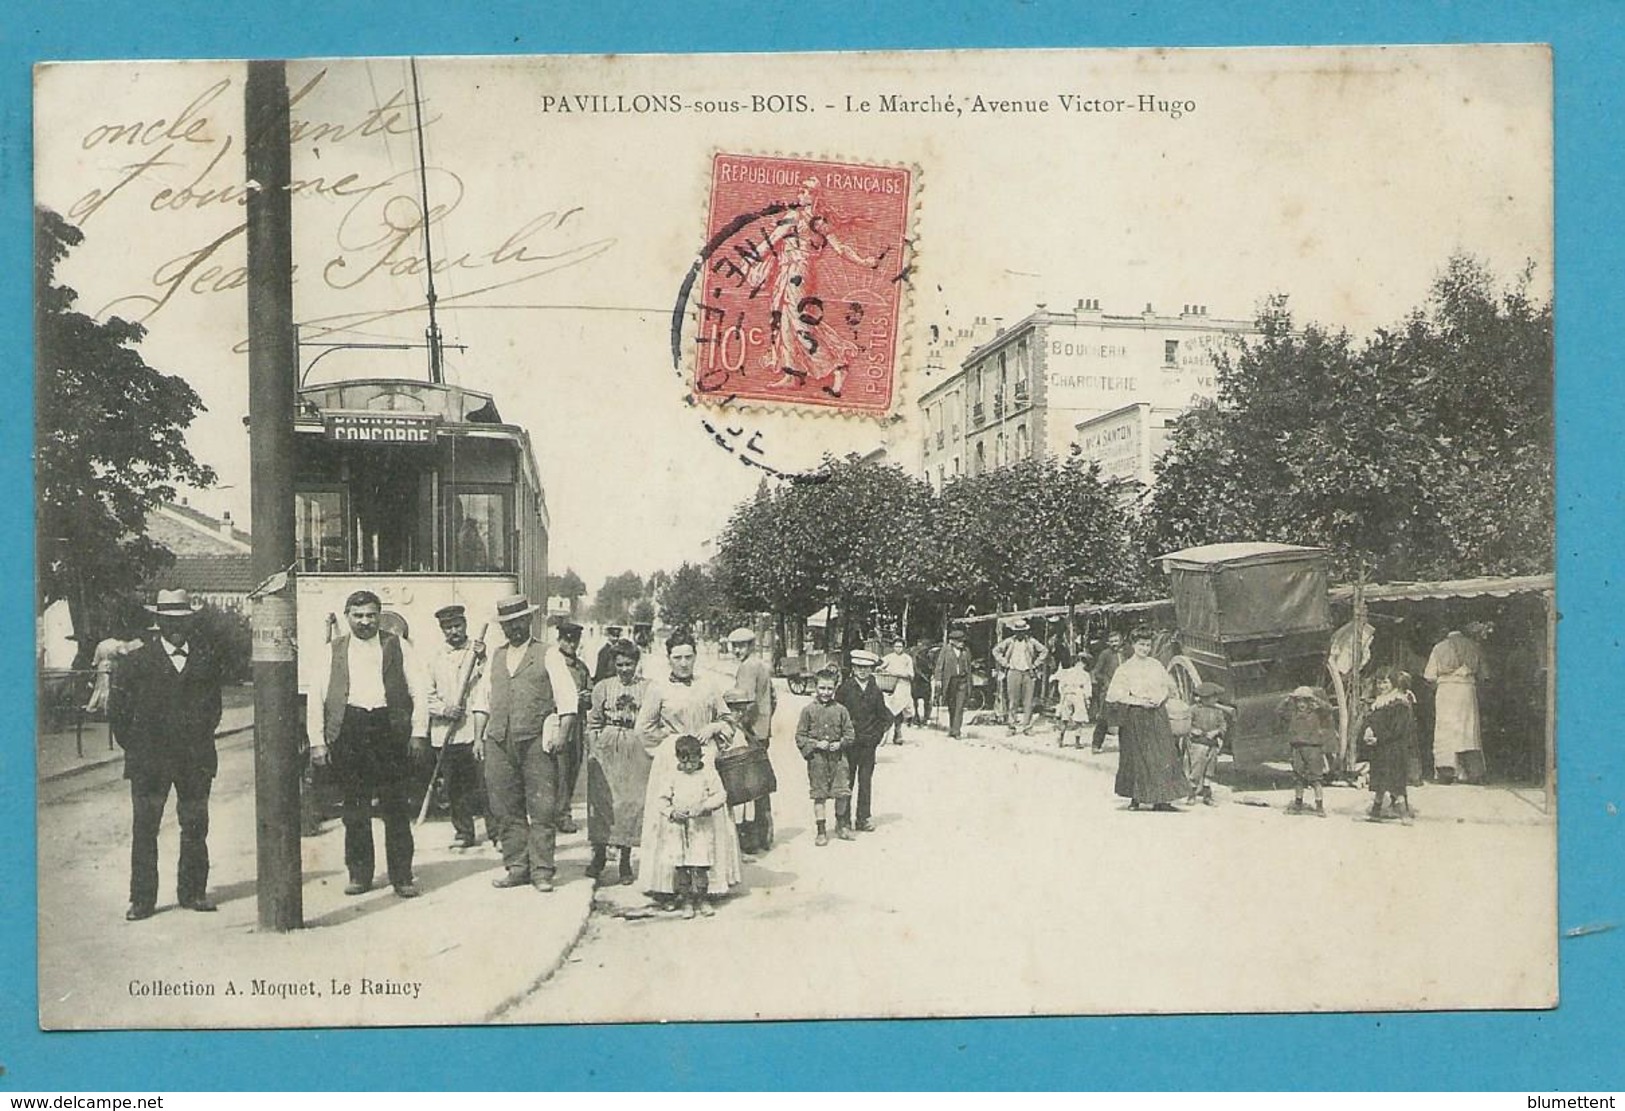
{"x": 397, "y": 695}
{"x": 519, "y": 702}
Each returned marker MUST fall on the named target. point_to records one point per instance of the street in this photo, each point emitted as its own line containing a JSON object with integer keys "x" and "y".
{"x": 1004, "y": 878}
{"x": 1010, "y": 882}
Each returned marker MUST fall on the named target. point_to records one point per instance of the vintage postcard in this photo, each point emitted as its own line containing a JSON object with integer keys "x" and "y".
{"x": 649, "y": 538}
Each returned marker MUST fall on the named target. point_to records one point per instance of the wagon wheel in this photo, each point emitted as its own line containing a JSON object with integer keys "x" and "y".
{"x": 798, "y": 684}
{"x": 1185, "y": 676}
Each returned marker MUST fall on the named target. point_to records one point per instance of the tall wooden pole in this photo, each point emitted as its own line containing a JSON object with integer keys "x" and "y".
{"x": 273, "y": 373}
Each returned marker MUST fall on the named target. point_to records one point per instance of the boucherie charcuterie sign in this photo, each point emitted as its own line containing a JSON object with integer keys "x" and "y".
{"x": 381, "y": 428}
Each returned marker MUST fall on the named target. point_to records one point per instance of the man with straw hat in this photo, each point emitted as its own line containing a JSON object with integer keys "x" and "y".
{"x": 515, "y": 712}
{"x": 164, "y": 707}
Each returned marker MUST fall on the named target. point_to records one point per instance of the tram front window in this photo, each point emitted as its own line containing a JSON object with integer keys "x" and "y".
{"x": 479, "y": 532}
{"x": 319, "y": 530}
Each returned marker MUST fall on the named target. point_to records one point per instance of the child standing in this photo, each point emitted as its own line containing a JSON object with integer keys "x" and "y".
{"x": 694, "y": 794}
{"x": 1391, "y": 730}
{"x": 1076, "y": 688}
{"x": 823, "y": 734}
{"x": 1210, "y": 721}
{"x": 1306, "y": 718}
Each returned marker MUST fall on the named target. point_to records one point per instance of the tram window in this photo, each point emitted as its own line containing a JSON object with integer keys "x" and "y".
{"x": 479, "y": 531}
{"x": 319, "y": 530}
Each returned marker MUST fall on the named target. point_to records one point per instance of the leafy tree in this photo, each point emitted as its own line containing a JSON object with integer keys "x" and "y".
{"x": 1426, "y": 451}
{"x": 614, "y": 599}
{"x": 567, "y": 585}
{"x": 643, "y": 612}
{"x": 686, "y": 596}
{"x": 1039, "y": 531}
{"x": 110, "y": 442}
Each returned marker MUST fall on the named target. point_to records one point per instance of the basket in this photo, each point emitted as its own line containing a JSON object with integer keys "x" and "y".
{"x": 746, "y": 773}
{"x": 887, "y": 683}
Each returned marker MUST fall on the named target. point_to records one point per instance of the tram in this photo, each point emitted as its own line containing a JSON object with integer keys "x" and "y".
{"x": 419, "y": 492}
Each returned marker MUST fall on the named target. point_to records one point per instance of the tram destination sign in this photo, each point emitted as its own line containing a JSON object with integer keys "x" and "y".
{"x": 381, "y": 428}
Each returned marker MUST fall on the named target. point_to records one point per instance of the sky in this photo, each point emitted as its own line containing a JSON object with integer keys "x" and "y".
{"x": 1344, "y": 178}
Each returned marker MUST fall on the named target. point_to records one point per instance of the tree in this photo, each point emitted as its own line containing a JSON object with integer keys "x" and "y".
{"x": 110, "y": 442}
{"x": 858, "y": 535}
{"x": 643, "y": 612}
{"x": 1425, "y": 452}
{"x": 1038, "y": 532}
{"x": 614, "y": 599}
{"x": 567, "y": 585}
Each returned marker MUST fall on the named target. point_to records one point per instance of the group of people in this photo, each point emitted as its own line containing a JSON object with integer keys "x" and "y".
{"x": 519, "y": 723}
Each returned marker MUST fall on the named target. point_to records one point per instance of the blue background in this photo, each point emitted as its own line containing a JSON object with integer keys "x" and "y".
{"x": 1578, "y": 1046}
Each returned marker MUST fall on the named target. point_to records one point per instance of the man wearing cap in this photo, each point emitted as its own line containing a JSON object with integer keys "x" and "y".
{"x": 572, "y": 689}
{"x": 452, "y": 674}
{"x": 871, "y": 720}
{"x": 952, "y": 679}
{"x": 753, "y": 677}
{"x": 604, "y": 666}
{"x": 515, "y": 714}
{"x": 367, "y": 714}
{"x": 164, "y": 706}
{"x": 1021, "y": 657}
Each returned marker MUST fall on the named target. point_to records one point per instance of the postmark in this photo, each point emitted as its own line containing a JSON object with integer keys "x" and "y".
{"x": 797, "y": 297}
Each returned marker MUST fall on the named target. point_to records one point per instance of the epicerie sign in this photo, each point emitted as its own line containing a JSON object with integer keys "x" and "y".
{"x": 381, "y": 428}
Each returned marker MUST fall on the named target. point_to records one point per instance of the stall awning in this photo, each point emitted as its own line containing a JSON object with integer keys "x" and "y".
{"x": 1484, "y": 587}
{"x": 1083, "y": 609}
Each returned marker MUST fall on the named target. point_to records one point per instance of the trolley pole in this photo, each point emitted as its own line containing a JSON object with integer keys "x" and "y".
{"x": 273, "y": 372}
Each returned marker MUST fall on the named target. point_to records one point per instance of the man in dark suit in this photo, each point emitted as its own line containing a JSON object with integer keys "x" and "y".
{"x": 952, "y": 678}
{"x": 871, "y": 721}
{"x": 164, "y": 706}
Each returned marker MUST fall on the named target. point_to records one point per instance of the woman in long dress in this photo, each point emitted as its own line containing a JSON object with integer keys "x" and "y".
{"x": 617, "y": 763}
{"x": 1148, "y": 765}
{"x": 681, "y": 703}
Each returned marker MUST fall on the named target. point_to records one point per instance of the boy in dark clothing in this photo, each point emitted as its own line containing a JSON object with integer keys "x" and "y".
{"x": 871, "y": 720}
{"x": 1306, "y": 718}
{"x": 1210, "y": 721}
{"x": 823, "y": 734}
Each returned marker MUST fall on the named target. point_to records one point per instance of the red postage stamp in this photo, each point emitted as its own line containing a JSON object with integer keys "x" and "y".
{"x": 799, "y": 288}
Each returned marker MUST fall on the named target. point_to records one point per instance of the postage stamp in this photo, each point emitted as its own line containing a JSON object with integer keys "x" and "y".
{"x": 801, "y": 283}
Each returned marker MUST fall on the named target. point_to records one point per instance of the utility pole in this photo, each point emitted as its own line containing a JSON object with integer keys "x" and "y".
{"x": 273, "y": 372}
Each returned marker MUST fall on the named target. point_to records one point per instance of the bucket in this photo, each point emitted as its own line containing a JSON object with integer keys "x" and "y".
{"x": 746, "y": 773}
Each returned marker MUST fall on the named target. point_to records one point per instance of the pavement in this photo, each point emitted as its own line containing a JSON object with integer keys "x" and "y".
{"x": 463, "y": 952}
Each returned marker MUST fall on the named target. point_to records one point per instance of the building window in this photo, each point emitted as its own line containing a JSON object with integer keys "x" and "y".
{"x": 981, "y": 457}
{"x": 319, "y": 530}
{"x": 1000, "y": 458}
{"x": 1170, "y": 351}
{"x": 1021, "y": 441}
{"x": 942, "y": 477}
{"x": 956, "y": 466}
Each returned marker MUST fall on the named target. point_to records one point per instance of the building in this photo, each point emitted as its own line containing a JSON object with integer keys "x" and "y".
{"x": 1106, "y": 383}
{"x": 212, "y": 555}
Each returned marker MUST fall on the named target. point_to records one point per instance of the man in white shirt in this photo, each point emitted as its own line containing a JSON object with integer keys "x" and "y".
{"x": 367, "y": 704}
{"x": 453, "y": 671}
{"x": 1021, "y": 657}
